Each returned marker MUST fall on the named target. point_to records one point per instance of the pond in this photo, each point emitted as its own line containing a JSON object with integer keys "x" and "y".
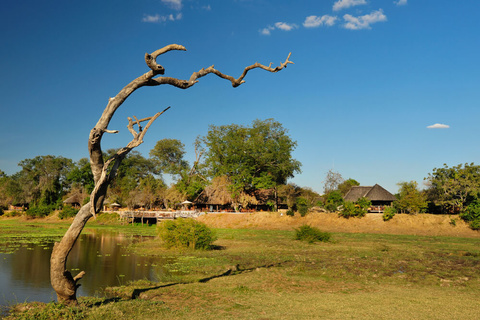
{"x": 25, "y": 269}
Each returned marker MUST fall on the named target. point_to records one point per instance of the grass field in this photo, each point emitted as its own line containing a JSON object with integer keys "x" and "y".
{"x": 259, "y": 273}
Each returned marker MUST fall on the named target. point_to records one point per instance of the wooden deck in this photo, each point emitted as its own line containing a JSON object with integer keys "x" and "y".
{"x": 156, "y": 215}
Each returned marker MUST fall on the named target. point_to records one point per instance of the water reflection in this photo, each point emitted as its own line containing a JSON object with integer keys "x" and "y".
{"x": 24, "y": 274}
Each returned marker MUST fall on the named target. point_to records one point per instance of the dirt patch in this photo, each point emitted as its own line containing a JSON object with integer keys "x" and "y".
{"x": 421, "y": 224}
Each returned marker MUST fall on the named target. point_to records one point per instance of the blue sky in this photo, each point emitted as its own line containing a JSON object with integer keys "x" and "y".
{"x": 370, "y": 77}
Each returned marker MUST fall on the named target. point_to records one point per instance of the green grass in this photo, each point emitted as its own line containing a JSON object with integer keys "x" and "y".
{"x": 266, "y": 274}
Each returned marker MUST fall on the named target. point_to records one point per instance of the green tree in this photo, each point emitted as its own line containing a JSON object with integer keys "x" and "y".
{"x": 81, "y": 175}
{"x": 346, "y": 185}
{"x": 410, "y": 199}
{"x": 256, "y": 157}
{"x": 43, "y": 179}
{"x": 453, "y": 188}
{"x": 168, "y": 156}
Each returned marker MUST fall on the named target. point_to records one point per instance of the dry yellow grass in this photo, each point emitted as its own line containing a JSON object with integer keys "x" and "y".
{"x": 421, "y": 224}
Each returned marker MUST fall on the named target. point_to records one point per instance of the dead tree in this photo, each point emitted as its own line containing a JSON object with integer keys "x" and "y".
{"x": 64, "y": 284}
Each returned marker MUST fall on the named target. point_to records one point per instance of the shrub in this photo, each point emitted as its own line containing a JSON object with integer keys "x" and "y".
{"x": 40, "y": 211}
{"x": 1, "y": 211}
{"x": 358, "y": 209}
{"x": 333, "y": 201}
{"x": 67, "y": 212}
{"x": 388, "y": 213}
{"x": 311, "y": 234}
{"x": 290, "y": 212}
{"x": 302, "y": 206}
{"x": 186, "y": 233}
{"x": 472, "y": 214}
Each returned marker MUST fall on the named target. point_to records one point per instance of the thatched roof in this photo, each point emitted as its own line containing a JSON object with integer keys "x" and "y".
{"x": 76, "y": 198}
{"x": 375, "y": 193}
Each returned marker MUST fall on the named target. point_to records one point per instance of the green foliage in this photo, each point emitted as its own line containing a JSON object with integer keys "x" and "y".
{"x": 311, "y": 234}
{"x": 302, "y": 206}
{"x": 186, "y": 233}
{"x": 451, "y": 189}
{"x": 67, "y": 212}
{"x": 40, "y": 211}
{"x": 42, "y": 180}
{"x": 410, "y": 199}
{"x": 81, "y": 175}
{"x": 388, "y": 213}
{"x": 358, "y": 209}
{"x": 168, "y": 156}
{"x": 290, "y": 213}
{"x": 472, "y": 214}
{"x": 333, "y": 200}
{"x": 346, "y": 185}
{"x": 252, "y": 157}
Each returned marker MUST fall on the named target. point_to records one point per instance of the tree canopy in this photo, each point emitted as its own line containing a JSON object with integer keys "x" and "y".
{"x": 256, "y": 157}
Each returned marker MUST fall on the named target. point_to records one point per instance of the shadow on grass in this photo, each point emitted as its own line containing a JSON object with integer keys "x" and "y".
{"x": 229, "y": 272}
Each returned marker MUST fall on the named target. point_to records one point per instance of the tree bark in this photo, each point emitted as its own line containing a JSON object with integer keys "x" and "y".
{"x": 64, "y": 284}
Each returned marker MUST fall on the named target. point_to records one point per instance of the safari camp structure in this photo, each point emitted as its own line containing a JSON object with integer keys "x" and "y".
{"x": 379, "y": 197}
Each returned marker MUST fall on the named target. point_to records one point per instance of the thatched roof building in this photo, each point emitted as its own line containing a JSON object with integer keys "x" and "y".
{"x": 376, "y": 194}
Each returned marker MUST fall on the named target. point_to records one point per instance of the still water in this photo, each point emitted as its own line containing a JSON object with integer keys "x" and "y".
{"x": 24, "y": 274}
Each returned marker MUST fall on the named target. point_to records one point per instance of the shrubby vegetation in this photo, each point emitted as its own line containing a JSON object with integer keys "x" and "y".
{"x": 311, "y": 234}
{"x": 389, "y": 213}
{"x": 186, "y": 233}
{"x": 67, "y": 212}
{"x": 356, "y": 209}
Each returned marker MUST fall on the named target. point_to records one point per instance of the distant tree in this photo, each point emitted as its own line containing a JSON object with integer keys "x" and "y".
{"x": 311, "y": 197}
{"x": 346, "y": 185}
{"x": 453, "y": 188}
{"x": 289, "y": 193}
{"x": 81, "y": 175}
{"x": 410, "y": 199}
{"x": 333, "y": 180}
{"x": 256, "y": 157}
{"x": 43, "y": 179}
{"x": 168, "y": 156}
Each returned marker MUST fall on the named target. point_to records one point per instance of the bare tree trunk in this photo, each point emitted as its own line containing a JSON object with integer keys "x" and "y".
{"x": 64, "y": 284}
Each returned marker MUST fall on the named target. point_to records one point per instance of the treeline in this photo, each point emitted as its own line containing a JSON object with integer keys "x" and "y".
{"x": 238, "y": 166}
{"x": 449, "y": 190}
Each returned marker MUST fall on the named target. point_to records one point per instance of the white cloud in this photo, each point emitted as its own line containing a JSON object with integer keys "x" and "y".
{"x": 344, "y": 4}
{"x": 314, "y": 21}
{"x": 207, "y": 8}
{"x": 285, "y": 26}
{"x": 400, "y": 2}
{"x": 364, "y": 22}
{"x": 174, "y": 4}
{"x": 158, "y": 18}
{"x": 438, "y": 126}
{"x": 278, "y": 25}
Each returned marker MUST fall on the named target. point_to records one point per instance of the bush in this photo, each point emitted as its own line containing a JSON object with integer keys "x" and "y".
{"x": 186, "y": 233}
{"x": 67, "y": 212}
{"x": 388, "y": 213}
{"x": 333, "y": 201}
{"x": 40, "y": 211}
{"x": 1, "y": 211}
{"x": 290, "y": 212}
{"x": 311, "y": 234}
{"x": 358, "y": 209}
{"x": 472, "y": 214}
{"x": 302, "y": 206}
